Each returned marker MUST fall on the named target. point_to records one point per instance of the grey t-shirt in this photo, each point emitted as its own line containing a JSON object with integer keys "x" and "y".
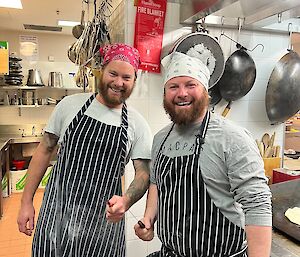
{"x": 139, "y": 134}
{"x": 231, "y": 167}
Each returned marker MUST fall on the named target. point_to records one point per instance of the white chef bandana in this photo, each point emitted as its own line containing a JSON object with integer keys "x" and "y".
{"x": 178, "y": 64}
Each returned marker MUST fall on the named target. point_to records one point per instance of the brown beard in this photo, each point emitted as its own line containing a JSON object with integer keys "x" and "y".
{"x": 103, "y": 90}
{"x": 185, "y": 117}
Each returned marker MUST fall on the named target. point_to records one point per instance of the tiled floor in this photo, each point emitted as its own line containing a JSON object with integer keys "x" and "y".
{"x": 12, "y": 242}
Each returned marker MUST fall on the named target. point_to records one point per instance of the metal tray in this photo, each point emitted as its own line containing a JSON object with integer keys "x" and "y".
{"x": 285, "y": 195}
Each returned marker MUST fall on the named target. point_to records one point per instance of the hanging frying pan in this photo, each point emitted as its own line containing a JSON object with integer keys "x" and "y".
{"x": 283, "y": 90}
{"x": 207, "y": 49}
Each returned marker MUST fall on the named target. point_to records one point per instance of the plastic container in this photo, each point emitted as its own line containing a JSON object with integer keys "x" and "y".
{"x": 19, "y": 164}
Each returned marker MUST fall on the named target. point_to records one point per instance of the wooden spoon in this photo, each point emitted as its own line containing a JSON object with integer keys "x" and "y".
{"x": 266, "y": 139}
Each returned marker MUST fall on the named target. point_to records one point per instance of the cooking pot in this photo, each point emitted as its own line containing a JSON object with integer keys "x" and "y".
{"x": 207, "y": 49}
{"x": 55, "y": 79}
{"x": 34, "y": 78}
{"x": 238, "y": 77}
{"x": 283, "y": 91}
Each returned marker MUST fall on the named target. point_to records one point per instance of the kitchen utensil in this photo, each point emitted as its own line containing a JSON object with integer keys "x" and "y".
{"x": 265, "y": 139}
{"x": 34, "y": 78}
{"x": 28, "y": 97}
{"x": 210, "y": 52}
{"x": 55, "y": 79}
{"x": 272, "y": 139}
{"x": 78, "y": 29}
{"x": 261, "y": 149}
{"x": 283, "y": 92}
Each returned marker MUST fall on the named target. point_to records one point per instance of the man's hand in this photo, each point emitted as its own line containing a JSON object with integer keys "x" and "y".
{"x": 26, "y": 219}
{"x": 146, "y": 233}
{"x": 116, "y": 208}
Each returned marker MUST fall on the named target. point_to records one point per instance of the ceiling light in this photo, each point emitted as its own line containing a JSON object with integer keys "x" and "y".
{"x": 11, "y": 4}
{"x": 68, "y": 23}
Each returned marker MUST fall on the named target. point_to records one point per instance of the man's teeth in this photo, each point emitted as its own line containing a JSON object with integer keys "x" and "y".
{"x": 116, "y": 90}
{"x": 183, "y": 103}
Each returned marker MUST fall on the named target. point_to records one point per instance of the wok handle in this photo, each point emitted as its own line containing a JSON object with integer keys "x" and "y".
{"x": 227, "y": 109}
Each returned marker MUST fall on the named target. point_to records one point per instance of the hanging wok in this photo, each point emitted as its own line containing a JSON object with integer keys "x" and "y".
{"x": 238, "y": 77}
{"x": 283, "y": 90}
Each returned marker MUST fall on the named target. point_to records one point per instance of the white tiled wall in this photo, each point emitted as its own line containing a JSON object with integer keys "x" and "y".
{"x": 248, "y": 112}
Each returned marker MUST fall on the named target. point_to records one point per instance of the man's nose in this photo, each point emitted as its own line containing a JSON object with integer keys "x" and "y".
{"x": 182, "y": 91}
{"x": 118, "y": 81}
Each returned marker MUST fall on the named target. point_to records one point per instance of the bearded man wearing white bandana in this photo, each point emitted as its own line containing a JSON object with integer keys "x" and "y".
{"x": 208, "y": 191}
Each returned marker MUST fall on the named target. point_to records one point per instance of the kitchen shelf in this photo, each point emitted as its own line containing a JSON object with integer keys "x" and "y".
{"x": 5, "y": 88}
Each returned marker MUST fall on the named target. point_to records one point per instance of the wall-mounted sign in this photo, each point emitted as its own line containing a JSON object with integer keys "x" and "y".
{"x": 4, "y": 61}
{"x": 149, "y": 29}
{"x": 29, "y": 49}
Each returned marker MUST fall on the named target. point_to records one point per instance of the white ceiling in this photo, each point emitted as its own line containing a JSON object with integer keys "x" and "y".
{"x": 42, "y": 12}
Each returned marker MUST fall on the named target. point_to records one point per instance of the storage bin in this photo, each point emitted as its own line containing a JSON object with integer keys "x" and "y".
{"x": 17, "y": 180}
{"x": 269, "y": 165}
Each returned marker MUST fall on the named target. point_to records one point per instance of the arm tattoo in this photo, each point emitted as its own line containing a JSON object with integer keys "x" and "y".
{"x": 50, "y": 140}
{"x": 140, "y": 184}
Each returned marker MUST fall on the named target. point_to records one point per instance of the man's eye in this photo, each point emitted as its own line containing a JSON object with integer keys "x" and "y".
{"x": 191, "y": 85}
{"x": 113, "y": 74}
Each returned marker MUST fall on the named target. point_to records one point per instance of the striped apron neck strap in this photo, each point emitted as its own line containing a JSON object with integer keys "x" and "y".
{"x": 201, "y": 136}
{"x": 81, "y": 112}
{"x": 124, "y": 136}
{"x": 162, "y": 144}
{"x": 124, "y": 116}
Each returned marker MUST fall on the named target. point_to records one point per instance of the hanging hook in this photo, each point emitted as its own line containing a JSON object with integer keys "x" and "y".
{"x": 263, "y": 47}
{"x": 279, "y": 17}
{"x": 222, "y": 28}
{"x": 290, "y": 36}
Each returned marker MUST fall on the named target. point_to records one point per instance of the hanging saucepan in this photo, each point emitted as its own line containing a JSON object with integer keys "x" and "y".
{"x": 283, "y": 90}
{"x": 238, "y": 77}
{"x": 207, "y": 49}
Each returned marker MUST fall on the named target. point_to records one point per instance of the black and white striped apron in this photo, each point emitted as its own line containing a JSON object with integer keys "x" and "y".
{"x": 72, "y": 220}
{"x": 189, "y": 223}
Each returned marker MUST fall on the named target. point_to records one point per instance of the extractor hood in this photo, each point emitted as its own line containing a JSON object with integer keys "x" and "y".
{"x": 251, "y": 11}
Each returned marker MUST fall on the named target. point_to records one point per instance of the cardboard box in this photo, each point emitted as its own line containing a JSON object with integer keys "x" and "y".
{"x": 17, "y": 179}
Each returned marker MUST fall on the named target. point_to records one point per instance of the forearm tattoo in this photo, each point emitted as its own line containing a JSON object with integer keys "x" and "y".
{"x": 50, "y": 141}
{"x": 140, "y": 184}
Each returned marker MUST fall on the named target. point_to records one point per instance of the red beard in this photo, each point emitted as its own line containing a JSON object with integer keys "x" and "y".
{"x": 113, "y": 100}
{"x": 184, "y": 116}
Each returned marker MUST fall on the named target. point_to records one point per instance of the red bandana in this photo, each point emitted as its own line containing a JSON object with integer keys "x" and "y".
{"x": 121, "y": 52}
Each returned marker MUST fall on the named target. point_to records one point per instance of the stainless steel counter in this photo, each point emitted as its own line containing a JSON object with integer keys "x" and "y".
{"x": 6, "y": 139}
{"x": 284, "y": 246}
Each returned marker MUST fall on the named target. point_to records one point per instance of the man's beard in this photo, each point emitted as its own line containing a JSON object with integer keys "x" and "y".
{"x": 184, "y": 116}
{"x": 103, "y": 90}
